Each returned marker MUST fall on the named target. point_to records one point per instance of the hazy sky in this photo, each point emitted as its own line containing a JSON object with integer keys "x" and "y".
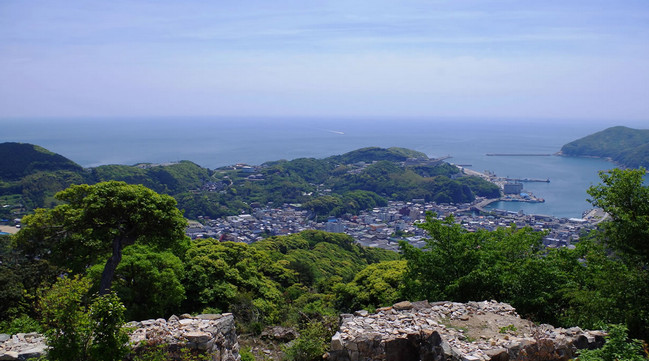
{"x": 495, "y": 58}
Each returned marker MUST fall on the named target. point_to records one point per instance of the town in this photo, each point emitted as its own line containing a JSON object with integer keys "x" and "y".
{"x": 384, "y": 227}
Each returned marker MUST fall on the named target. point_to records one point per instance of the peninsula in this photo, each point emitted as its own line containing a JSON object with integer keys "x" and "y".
{"x": 626, "y": 146}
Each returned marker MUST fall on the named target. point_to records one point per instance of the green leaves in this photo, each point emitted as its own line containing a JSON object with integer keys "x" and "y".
{"x": 98, "y": 221}
{"x": 77, "y": 329}
{"x": 147, "y": 281}
{"x": 507, "y": 264}
{"x": 379, "y": 284}
{"x": 624, "y": 197}
{"x": 617, "y": 347}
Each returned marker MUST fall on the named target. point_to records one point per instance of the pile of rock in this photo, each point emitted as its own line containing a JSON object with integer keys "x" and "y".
{"x": 471, "y": 331}
{"x": 22, "y": 346}
{"x": 211, "y": 334}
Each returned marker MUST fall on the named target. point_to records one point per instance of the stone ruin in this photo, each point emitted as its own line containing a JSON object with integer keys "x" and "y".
{"x": 211, "y": 334}
{"x": 441, "y": 331}
{"x": 473, "y": 331}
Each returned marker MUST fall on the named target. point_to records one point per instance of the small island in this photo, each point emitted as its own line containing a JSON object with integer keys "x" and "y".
{"x": 625, "y": 146}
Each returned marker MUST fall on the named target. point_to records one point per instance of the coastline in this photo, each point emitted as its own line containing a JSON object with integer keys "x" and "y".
{"x": 608, "y": 159}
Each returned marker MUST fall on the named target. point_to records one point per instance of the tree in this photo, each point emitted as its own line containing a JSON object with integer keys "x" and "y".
{"x": 82, "y": 329}
{"x": 624, "y": 197}
{"x": 147, "y": 282}
{"x": 100, "y": 220}
{"x": 378, "y": 284}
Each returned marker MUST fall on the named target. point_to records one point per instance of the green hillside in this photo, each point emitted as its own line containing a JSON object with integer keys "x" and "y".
{"x": 169, "y": 178}
{"x": 371, "y": 154}
{"x": 626, "y": 146}
{"x": 332, "y": 186}
{"x": 18, "y": 160}
{"x": 33, "y": 175}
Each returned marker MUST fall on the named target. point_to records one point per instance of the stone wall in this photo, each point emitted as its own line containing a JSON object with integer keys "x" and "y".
{"x": 209, "y": 333}
{"x": 454, "y": 331}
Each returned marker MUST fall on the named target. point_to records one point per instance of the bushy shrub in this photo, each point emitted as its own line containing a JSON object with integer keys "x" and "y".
{"x": 23, "y": 324}
{"x": 617, "y": 347}
{"x": 78, "y": 328}
{"x": 313, "y": 341}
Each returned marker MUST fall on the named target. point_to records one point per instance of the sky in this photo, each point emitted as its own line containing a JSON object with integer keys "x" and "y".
{"x": 560, "y": 59}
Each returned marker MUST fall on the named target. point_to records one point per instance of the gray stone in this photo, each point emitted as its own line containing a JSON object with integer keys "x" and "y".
{"x": 417, "y": 331}
{"x": 4, "y": 337}
{"x": 471, "y": 358}
{"x": 208, "y": 316}
{"x": 36, "y": 351}
{"x": 402, "y": 306}
{"x": 497, "y": 354}
{"x": 336, "y": 342}
{"x": 149, "y": 333}
{"x": 198, "y": 337}
{"x": 9, "y": 355}
{"x": 279, "y": 333}
{"x": 421, "y": 305}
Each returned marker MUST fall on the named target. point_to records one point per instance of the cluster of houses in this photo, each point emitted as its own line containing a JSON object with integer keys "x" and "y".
{"x": 384, "y": 227}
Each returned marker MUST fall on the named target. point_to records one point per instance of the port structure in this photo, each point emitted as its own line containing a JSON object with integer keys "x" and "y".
{"x": 519, "y": 155}
{"x": 547, "y": 180}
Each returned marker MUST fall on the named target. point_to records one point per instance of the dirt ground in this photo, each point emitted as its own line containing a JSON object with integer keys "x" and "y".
{"x": 491, "y": 326}
{"x": 8, "y": 229}
{"x": 261, "y": 349}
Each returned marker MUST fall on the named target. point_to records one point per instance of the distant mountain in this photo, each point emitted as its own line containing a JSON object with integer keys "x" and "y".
{"x": 18, "y": 160}
{"x": 626, "y": 146}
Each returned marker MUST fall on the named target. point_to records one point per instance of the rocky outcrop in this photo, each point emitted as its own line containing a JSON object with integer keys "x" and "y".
{"x": 447, "y": 331}
{"x": 279, "y": 334}
{"x": 22, "y": 346}
{"x": 210, "y": 334}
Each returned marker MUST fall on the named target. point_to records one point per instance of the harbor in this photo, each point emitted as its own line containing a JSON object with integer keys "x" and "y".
{"x": 527, "y": 180}
{"x": 512, "y": 189}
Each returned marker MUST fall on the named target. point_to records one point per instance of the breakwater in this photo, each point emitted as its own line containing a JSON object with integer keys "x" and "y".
{"x": 519, "y": 154}
{"x": 526, "y": 180}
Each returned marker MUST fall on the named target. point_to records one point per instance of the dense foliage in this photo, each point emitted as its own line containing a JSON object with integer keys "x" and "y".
{"x": 82, "y": 328}
{"x": 169, "y": 179}
{"x": 100, "y": 221}
{"x": 604, "y": 280}
{"x": 629, "y": 147}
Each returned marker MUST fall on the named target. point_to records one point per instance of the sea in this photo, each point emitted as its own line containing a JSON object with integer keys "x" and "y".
{"x": 214, "y": 142}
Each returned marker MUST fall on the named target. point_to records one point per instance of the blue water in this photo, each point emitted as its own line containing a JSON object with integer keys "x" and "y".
{"x": 215, "y": 142}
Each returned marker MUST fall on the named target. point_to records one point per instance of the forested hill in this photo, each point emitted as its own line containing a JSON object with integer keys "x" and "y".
{"x": 18, "y": 160}
{"x": 333, "y": 186}
{"x": 371, "y": 154}
{"x": 626, "y": 146}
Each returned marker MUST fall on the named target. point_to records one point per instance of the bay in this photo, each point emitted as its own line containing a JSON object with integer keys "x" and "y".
{"x": 218, "y": 141}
